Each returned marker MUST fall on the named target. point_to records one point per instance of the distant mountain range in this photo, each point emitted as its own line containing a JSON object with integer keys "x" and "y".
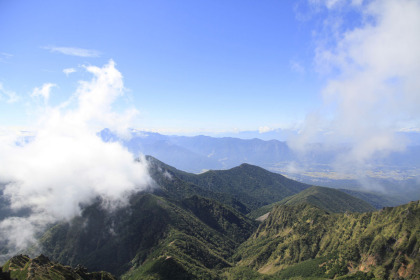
{"x": 199, "y": 226}
{"x": 199, "y": 153}
{"x": 397, "y": 174}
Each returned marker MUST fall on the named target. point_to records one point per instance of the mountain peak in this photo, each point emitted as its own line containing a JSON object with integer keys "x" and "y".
{"x": 247, "y": 165}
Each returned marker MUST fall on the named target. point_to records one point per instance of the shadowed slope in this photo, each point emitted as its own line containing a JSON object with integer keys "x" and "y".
{"x": 197, "y": 234}
{"x": 246, "y": 187}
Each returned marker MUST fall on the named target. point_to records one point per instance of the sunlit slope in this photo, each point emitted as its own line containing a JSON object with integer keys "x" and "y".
{"x": 22, "y": 267}
{"x": 328, "y": 199}
{"x": 385, "y": 243}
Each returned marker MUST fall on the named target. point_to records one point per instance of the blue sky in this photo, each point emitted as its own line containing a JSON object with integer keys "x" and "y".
{"x": 189, "y": 66}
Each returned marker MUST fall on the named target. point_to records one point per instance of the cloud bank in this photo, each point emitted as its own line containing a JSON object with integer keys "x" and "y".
{"x": 373, "y": 88}
{"x": 66, "y": 165}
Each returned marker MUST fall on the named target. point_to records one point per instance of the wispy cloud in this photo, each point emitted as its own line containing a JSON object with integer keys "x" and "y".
{"x": 43, "y": 91}
{"x": 68, "y": 71}
{"x": 74, "y": 51}
{"x": 10, "y": 96}
{"x": 297, "y": 67}
{"x": 333, "y": 4}
{"x": 4, "y": 56}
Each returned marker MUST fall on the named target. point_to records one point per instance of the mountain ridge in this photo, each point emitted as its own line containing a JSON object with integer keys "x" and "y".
{"x": 250, "y": 185}
{"x": 193, "y": 226}
{"x": 297, "y": 242}
{"x": 384, "y": 243}
{"x": 328, "y": 199}
{"x": 199, "y": 153}
{"x": 218, "y": 184}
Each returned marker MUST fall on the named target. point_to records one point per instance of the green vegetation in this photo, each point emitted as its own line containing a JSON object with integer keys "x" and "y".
{"x": 197, "y": 234}
{"x": 22, "y": 267}
{"x": 244, "y": 273}
{"x": 328, "y": 199}
{"x": 245, "y": 188}
{"x": 252, "y": 185}
{"x": 194, "y": 227}
{"x": 309, "y": 268}
{"x": 384, "y": 243}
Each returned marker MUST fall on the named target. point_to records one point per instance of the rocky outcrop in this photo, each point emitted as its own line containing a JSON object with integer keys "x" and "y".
{"x": 22, "y": 267}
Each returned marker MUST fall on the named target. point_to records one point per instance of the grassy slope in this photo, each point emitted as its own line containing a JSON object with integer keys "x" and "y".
{"x": 328, "y": 199}
{"x": 331, "y": 200}
{"x": 384, "y": 242}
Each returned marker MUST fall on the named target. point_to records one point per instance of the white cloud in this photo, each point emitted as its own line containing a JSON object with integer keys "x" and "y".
{"x": 66, "y": 164}
{"x": 43, "y": 91}
{"x": 334, "y": 4}
{"x": 95, "y": 107}
{"x": 311, "y": 128}
{"x": 11, "y": 96}
{"x": 373, "y": 84}
{"x": 68, "y": 71}
{"x": 356, "y": 2}
{"x": 265, "y": 129}
{"x": 74, "y": 51}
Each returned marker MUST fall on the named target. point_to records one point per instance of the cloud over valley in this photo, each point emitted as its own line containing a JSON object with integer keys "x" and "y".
{"x": 372, "y": 86}
{"x": 65, "y": 164}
